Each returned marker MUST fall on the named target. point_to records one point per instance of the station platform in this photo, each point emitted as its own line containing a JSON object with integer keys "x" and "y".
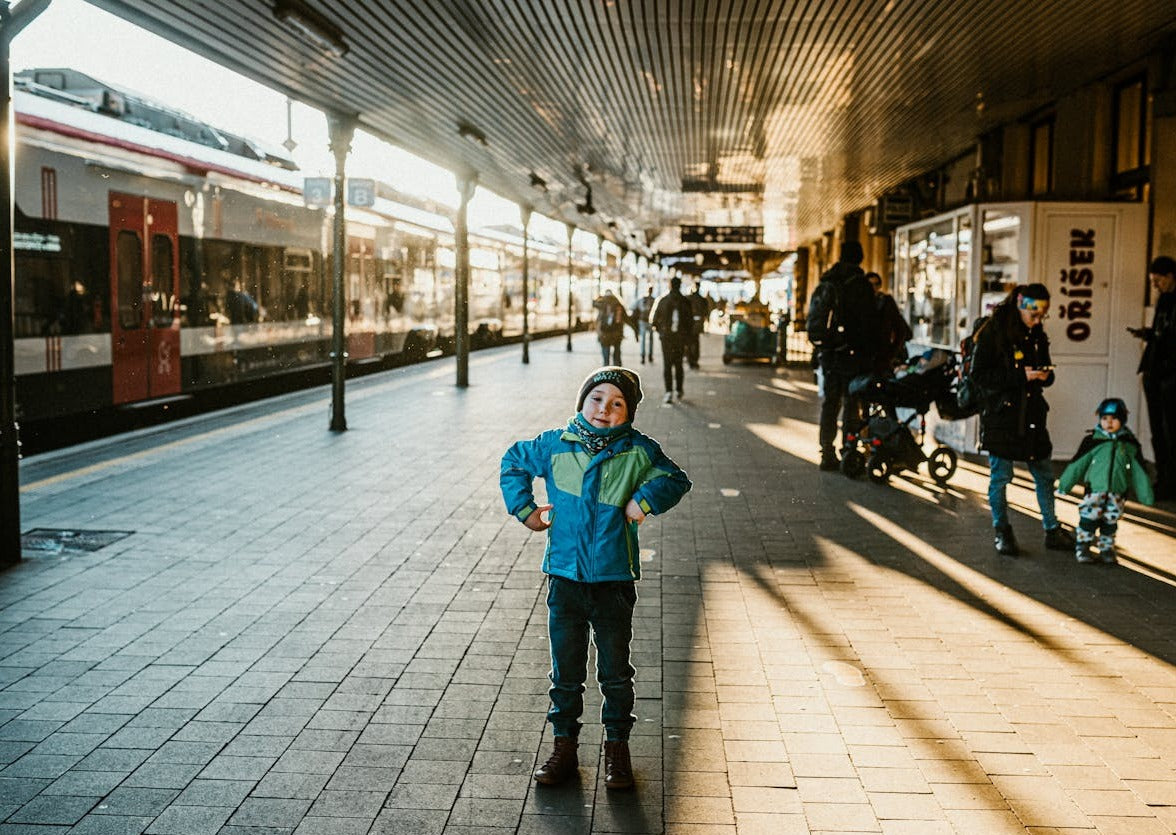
{"x": 334, "y": 633}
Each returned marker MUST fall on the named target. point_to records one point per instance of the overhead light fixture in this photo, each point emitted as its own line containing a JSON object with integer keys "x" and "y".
{"x": 470, "y": 132}
{"x": 312, "y": 27}
{"x": 586, "y": 208}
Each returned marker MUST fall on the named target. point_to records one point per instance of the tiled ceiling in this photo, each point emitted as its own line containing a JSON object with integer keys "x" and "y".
{"x": 741, "y": 112}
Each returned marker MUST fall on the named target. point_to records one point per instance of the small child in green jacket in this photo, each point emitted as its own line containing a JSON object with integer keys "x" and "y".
{"x": 1109, "y": 464}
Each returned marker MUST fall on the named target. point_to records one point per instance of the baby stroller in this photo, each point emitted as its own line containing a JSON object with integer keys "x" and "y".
{"x": 884, "y": 444}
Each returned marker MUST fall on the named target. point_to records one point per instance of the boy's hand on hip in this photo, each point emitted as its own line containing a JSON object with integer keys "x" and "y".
{"x": 634, "y": 513}
{"x": 535, "y": 521}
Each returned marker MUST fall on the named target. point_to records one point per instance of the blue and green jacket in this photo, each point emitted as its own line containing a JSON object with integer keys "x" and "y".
{"x": 1109, "y": 463}
{"x": 590, "y": 540}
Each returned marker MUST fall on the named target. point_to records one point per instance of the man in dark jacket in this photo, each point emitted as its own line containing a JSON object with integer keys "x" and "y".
{"x": 853, "y": 355}
{"x": 1158, "y": 367}
{"x": 701, "y": 308}
{"x": 673, "y": 319}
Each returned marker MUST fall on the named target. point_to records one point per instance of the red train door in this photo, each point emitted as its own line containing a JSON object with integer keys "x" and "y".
{"x": 144, "y": 290}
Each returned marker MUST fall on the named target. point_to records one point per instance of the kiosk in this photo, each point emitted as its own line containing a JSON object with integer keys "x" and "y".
{"x": 954, "y": 267}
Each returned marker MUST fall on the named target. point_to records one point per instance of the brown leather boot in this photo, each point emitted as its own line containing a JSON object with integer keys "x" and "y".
{"x": 562, "y": 763}
{"x": 618, "y": 770}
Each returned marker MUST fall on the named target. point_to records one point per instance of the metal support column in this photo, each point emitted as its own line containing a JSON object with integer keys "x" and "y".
{"x": 466, "y": 183}
{"x": 599, "y": 265}
{"x": 341, "y": 129}
{"x": 571, "y": 231}
{"x": 525, "y": 212}
{"x": 11, "y": 22}
{"x": 621, "y": 253}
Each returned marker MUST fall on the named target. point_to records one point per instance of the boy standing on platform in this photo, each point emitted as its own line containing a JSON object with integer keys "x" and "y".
{"x": 1109, "y": 463}
{"x": 603, "y": 478}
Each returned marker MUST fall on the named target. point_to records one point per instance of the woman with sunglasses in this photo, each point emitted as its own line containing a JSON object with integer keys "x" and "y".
{"x": 1012, "y": 367}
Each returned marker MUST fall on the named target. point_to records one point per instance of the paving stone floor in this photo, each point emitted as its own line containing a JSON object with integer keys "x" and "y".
{"x": 311, "y": 632}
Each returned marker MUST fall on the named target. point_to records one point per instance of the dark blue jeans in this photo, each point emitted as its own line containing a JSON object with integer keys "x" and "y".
{"x": 607, "y": 609}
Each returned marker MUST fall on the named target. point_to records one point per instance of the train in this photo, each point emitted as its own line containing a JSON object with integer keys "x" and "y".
{"x": 158, "y": 258}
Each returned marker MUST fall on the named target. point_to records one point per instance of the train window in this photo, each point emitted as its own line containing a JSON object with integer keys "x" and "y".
{"x": 130, "y": 280}
{"x": 162, "y": 283}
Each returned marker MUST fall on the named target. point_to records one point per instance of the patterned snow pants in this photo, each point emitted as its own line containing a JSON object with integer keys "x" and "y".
{"x": 1099, "y": 513}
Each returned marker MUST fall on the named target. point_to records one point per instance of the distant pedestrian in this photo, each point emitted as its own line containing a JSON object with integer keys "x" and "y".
{"x": 611, "y": 318}
{"x": 1109, "y": 464}
{"x": 1012, "y": 367}
{"x": 640, "y": 314}
{"x": 700, "y": 310}
{"x": 892, "y": 329}
{"x": 843, "y": 313}
{"x": 673, "y": 319}
{"x": 603, "y": 478}
{"x": 1158, "y": 367}
{"x": 78, "y": 314}
{"x": 239, "y": 305}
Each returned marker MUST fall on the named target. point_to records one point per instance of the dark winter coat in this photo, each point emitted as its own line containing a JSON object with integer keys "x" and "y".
{"x": 1013, "y": 419}
{"x": 893, "y": 334}
{"x": 1158, "y": 362}
{"x": 860, "y": 319}
{"x": 611, "y": 318}
{"x": 669, "y": 327}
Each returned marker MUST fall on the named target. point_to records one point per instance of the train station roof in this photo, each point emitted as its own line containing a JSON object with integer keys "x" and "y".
{"x": 630, "y": 117}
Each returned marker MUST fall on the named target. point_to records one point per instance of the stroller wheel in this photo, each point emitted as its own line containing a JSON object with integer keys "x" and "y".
{"x": 879, "y": 469}
{"x": 853, "y": 463}
{"x": 941, "y": 464}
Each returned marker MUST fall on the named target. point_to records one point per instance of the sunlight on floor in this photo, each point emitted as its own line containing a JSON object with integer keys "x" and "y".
{"x": 795, "y": 437}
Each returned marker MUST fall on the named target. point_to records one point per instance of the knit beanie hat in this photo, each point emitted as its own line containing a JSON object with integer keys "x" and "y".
{"x": 624, "y": 379}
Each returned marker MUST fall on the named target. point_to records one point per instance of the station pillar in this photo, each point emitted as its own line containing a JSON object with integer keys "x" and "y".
{"x": 525, "y": 214}
{"x": 466, "y": 183}
{"x": 12, "y": 20}
{"x": 341, "y": 129}
{"x": 571, "y": 231}
{"x": 9, "y": 443}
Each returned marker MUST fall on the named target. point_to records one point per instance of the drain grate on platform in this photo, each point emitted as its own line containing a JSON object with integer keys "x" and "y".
{"x": 59, "y": 541}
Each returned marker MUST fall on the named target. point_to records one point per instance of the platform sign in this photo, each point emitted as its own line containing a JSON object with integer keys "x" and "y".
{"x": 316, "y": 192}
{"x": 361, "y": 193}
{"x": 722, "y": 234}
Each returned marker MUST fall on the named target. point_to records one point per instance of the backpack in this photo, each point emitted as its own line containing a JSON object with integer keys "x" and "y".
{"x": 825, "y": 321}
{"x": 829, "y": 315}
{"x": 970, "y": 397}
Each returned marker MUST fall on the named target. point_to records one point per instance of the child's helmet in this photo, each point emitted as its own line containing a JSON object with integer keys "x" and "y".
{"x": 1113, "y": 406}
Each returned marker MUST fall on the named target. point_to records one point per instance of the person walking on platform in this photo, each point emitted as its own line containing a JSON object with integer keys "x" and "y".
{"x": 893, "y": 331}
{"x": 611, "y": 318}
{"x": 842, "y": 323}
{"x": 673, "y": 319}
{"x": 1158, "y": 366}
{"x": 640, "y": 314}
{"x": 700, "y": 309}
{"x": 603, "y": 478}
{"x": 1012, "y": 367}
{"x": 1109, "y": 464}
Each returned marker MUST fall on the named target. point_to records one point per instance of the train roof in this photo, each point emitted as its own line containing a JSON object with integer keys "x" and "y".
{"x": 88, "y": 93}
{"x": 70, "y": 103}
